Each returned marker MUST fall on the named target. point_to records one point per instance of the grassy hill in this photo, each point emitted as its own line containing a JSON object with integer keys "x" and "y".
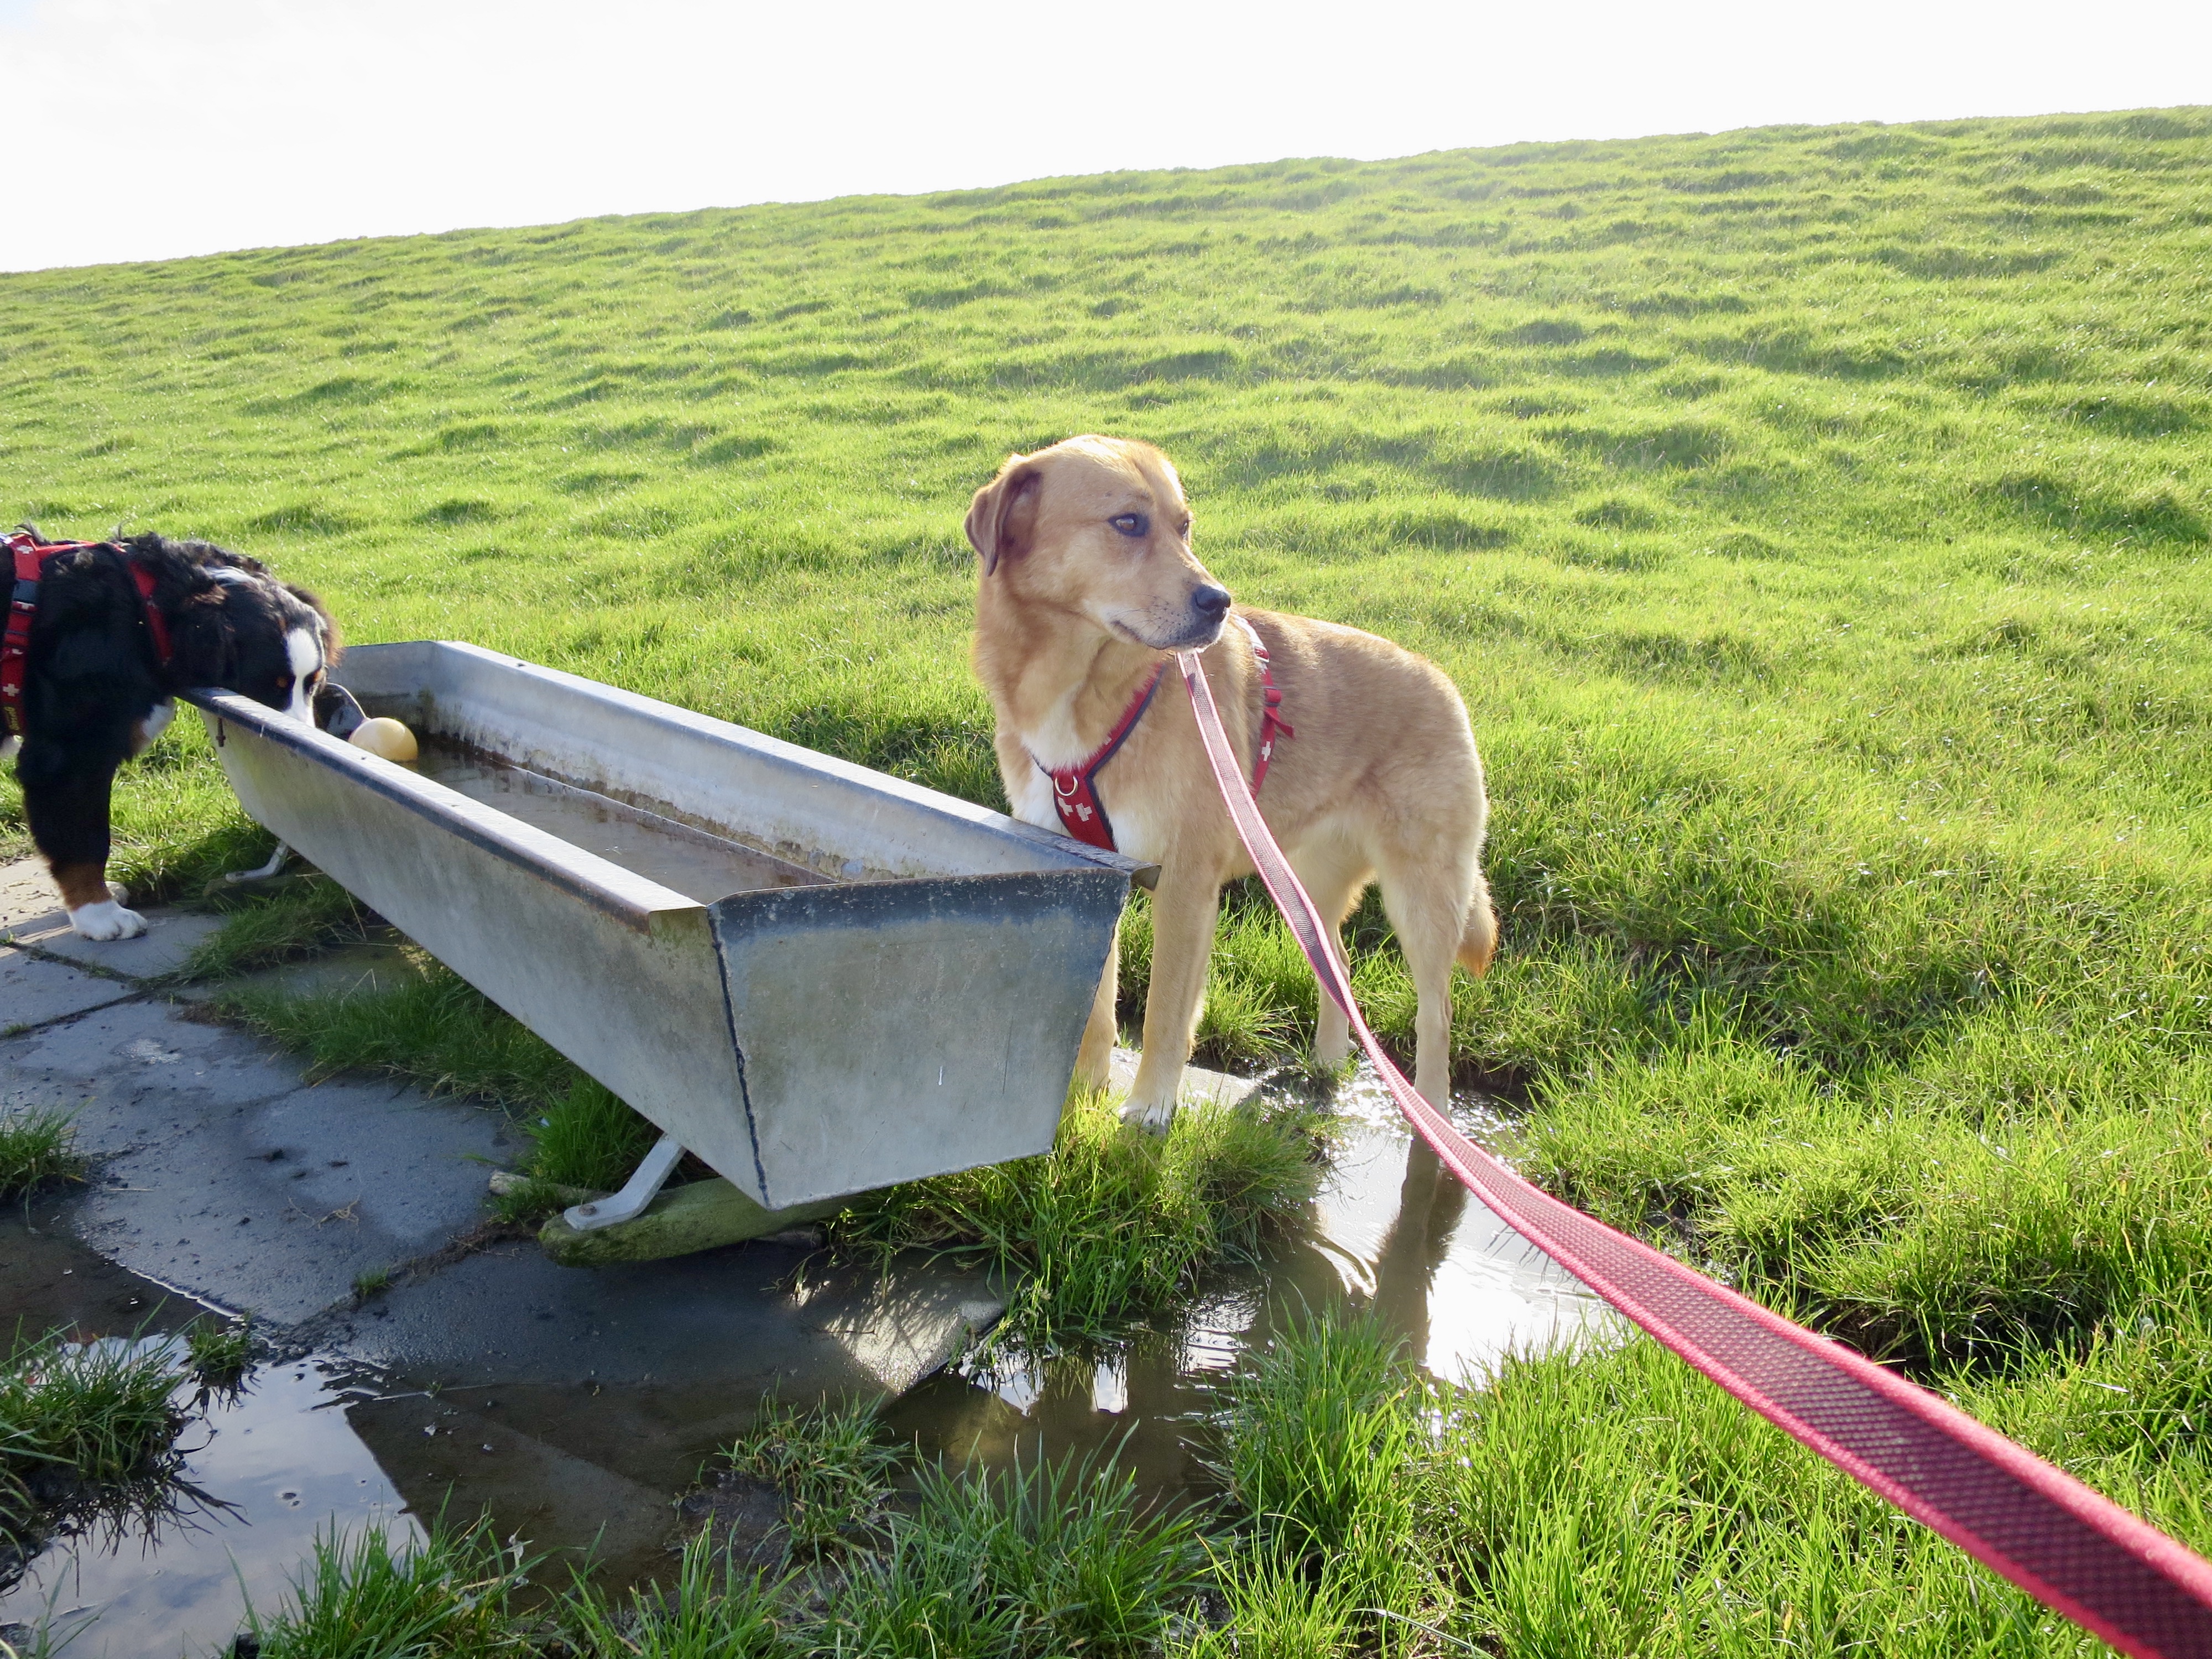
{"x": 1815, "y": 521}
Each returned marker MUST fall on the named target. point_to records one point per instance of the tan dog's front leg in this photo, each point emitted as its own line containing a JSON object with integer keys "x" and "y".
{"x": 1183, "y": 911}
{"x": 1095, "y": 1060}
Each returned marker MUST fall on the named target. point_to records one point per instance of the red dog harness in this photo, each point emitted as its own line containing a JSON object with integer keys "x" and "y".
{"x": 29, "y": 556}
{"x": 1075, "y": 788}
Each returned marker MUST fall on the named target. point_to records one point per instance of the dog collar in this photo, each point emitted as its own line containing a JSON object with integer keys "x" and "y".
{"x": 1075, "y": 788}
{"x": 29, "y": 557}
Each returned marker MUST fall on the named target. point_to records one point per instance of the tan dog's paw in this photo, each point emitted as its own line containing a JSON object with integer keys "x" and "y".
{"x": 1153, "y": 1119}
{"x": 107, "y": 921}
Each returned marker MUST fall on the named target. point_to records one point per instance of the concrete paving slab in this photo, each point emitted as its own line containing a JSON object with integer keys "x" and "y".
{"x": 50, "y": 1279}
{"x": 168, "y": 940}
{"x": 366, "y": 968}
{"x": 275, "y": 1208}
{"x": 465, "y": 1454}
{"x": 1198, "y": 1087}
{"x": 731, "y": 1317}
{"x": 111, "y": 1058}
{"x": 220, "y": 1174}
{"x": 25, "y": 891}
{"x": 33, "y": 990}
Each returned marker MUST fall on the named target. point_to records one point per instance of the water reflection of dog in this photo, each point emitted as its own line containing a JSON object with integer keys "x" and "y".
{"x": 1431, "y": 1203}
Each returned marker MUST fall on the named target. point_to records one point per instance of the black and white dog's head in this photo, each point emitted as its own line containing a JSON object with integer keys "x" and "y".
{"x": 236, "y": 625}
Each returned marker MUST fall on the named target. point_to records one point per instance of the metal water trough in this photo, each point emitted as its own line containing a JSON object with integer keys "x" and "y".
{"x": 893, "y": 984}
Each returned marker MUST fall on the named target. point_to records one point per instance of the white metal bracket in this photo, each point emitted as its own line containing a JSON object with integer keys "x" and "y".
{"x": 276, "y": 861}
{"x": 640, "y": 1190}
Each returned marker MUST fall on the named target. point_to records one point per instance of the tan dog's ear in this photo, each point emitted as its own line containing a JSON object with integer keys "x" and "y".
{"x": 1004, "y": 514}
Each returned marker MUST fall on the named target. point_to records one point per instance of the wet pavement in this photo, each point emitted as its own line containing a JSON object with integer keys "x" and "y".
{"x": 577, "y": 1406}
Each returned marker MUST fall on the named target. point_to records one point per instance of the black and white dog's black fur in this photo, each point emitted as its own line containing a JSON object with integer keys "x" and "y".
{"x": 93, "y": 695}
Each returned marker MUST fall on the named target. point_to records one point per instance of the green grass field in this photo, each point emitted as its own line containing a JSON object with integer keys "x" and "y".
{"x": 1815, "y": 521}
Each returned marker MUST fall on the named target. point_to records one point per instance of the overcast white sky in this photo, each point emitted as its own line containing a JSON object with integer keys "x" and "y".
{"x": 142, "y": 128}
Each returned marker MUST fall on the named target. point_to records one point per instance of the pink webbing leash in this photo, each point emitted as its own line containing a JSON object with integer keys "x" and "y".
{"x": 2077, "y": 1552}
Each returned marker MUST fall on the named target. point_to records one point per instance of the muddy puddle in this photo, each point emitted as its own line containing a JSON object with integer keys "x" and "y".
{"x": 266, "y": 1464}
{"x": 587, "y": 1470}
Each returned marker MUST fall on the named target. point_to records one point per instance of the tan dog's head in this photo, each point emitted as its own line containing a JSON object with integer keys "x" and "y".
{"x": 1099, "y": 527}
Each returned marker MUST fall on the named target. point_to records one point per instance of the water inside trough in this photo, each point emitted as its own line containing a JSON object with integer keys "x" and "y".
{"x": 691, "y": 860}
{"x": 586, "y": 1470}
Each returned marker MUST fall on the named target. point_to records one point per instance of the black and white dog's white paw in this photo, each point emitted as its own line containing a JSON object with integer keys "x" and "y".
{"x": 109, "y": 920}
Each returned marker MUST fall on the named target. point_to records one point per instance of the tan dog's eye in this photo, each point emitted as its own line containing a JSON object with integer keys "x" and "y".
{"x": 1183, "y": 529}
{"x": 1131, "y": 524}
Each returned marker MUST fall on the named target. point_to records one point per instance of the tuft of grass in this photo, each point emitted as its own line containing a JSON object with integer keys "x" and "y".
{"x": 1613, "y": 1501}
{"x": 307, "y": 914}
{"x": 1319, "y": 1451}
{"x": 1273, "y": 1608}
{"x": 590, "y": 1138}
{"x": 1111, "y": 1226}
{"x": 1039, "y": 1561}
{"x": 219, "y": 1353}
{"x": 1034, "y": 1563}
{"x": 433, "y": 1029}
{"x": 360, "y": 1597}
{"x": 35, "y": 1150}
{"x": 532, "y": 1200}
{"x": 371, "y": 1282}
{"x": 1619, "y": 1502}
{"x": 829, "y": 1466}
{"x": 714, "y": 1610}
{"x": 2037, "y": 1201}
{"x": 100, "y": 1410}
{"x": 79, "y": 1421}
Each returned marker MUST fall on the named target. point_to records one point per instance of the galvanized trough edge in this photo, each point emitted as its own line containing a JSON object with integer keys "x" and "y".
{"x": 622, "y": 894}
{"x": 1060, "y": 849}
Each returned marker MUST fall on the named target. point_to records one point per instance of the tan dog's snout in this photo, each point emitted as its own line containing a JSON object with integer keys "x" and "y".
{"x": 1209, "y": 607}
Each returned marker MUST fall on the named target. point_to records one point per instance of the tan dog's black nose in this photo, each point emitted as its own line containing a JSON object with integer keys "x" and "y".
{"x": 1211, "y": 602}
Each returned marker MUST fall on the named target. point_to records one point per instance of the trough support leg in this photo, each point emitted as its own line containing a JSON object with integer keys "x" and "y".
{"x": 277, "y": 860}
{"x": 637, "y": 1192}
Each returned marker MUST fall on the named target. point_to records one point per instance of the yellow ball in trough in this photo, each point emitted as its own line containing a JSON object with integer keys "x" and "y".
{"x": 385, "y": 737}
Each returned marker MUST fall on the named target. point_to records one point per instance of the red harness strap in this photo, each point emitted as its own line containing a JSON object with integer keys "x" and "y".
{"x": 1271, "y": 720}
{"x": 1075, "y": 788}
{"x": 157, "y": 625}
{"x": 28, "y": 556}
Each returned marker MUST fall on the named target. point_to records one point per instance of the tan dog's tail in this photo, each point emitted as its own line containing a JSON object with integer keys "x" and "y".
{"x": 1479, "y": 942}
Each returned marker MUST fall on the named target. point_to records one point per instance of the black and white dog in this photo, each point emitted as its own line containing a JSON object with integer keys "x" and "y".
{"x": 100, "y": 638}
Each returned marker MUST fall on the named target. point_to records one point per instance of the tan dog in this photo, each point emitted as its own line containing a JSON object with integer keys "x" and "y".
{"x": 1089, "y": 584}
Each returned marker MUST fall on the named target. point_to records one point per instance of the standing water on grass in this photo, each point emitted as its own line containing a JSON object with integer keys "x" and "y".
{"x": 586, "y": 1472}
{"x": 1391, "y": 1230}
